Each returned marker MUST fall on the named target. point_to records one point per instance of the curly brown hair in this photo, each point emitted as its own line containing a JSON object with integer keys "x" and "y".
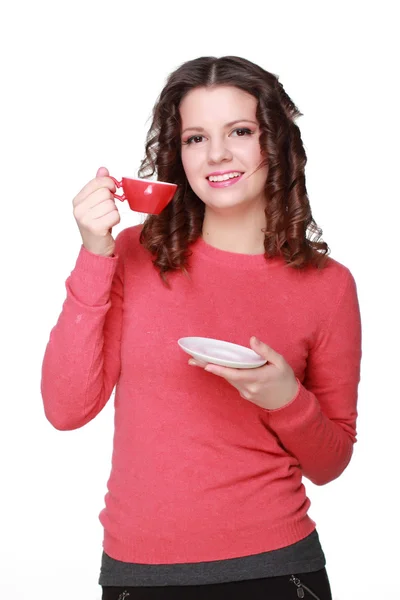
{"x": 291, "y": 231}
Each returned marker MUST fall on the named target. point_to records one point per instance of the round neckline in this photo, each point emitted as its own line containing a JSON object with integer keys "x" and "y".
{"x": 232, "y": 259}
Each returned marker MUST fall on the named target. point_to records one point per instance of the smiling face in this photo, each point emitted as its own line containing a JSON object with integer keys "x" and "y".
{"x": 220, "y": 147}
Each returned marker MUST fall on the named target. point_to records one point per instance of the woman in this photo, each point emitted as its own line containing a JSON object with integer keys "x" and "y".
{"x": 205, "y": 496}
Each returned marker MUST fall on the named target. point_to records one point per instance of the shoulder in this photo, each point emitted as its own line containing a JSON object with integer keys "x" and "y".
{"x": 325, "y": 287}
{"x": 330, "y": 276}
{"x": 330, "y": 293}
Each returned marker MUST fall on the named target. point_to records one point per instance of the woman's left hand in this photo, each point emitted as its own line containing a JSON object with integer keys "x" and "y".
{"x": 270, "y": 386}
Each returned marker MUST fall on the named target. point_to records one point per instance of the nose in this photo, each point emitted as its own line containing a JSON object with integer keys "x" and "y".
{"x": 218, "y": 152}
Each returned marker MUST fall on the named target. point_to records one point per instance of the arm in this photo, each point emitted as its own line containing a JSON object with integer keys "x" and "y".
{"x": 82, "y": 359}
{"x": 319, "y": 425}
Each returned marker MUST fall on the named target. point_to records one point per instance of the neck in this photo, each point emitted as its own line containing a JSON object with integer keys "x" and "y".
{"x": 234, "y": 232}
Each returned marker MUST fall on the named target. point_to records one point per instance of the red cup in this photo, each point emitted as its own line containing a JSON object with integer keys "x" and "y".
{"x": 145, "y": 196}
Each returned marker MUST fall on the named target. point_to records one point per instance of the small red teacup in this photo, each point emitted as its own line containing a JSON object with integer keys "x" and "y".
{"x": 145, "y": 196}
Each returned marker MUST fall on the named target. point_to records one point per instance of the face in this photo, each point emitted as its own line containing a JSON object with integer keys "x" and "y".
{"x": 221, "y": 149}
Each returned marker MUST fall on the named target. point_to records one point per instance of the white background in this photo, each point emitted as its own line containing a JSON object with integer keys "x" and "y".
{"x": 79, "y": 80}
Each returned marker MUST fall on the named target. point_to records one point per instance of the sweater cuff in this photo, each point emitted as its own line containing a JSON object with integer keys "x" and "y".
{"x": 91, "y": 280}
{"x": 297, "y": 415}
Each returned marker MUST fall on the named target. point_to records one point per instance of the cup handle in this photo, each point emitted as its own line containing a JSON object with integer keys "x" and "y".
{"x": 119, "y": 185}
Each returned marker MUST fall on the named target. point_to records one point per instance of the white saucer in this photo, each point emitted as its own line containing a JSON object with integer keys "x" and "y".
{"x": 222, "y": 353}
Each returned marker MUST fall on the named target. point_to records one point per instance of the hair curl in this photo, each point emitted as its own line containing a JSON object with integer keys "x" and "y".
{"x": 291, "y": 231}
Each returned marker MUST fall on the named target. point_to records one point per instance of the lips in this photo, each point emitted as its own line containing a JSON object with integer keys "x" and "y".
{"x": 222, "y": 173}
{"x": 225, "y": 183}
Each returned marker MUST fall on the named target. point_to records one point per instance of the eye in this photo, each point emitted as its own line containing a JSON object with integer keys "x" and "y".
{"x": 194, "y": 139}
{"x": 241, "y": 132}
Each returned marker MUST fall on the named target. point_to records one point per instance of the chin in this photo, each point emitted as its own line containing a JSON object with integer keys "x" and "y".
{"x": 227, "y": 205}
{"x": 227, "y": 200}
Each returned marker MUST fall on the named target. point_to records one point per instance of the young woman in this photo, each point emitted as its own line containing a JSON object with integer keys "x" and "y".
{"x": 206, "y": 496}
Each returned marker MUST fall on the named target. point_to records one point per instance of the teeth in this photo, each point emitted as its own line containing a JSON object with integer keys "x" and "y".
{"x": 224, "y": 177}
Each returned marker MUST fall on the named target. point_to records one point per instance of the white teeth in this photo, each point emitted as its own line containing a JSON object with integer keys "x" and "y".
{"x": 224, "y": 177}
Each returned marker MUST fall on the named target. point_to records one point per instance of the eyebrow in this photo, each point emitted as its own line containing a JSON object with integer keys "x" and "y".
{"x": 226, "y": 125}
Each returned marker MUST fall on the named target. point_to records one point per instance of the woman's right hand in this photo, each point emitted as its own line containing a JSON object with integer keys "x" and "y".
{"x": 96, "y": 214}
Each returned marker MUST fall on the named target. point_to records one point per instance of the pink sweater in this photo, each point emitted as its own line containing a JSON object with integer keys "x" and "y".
{"x": 198, "y": 473}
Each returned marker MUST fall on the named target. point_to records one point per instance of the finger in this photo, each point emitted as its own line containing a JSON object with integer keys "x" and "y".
{"x": 197, "y": 363}
{"x": 101, "y": 210}
{"x": 92, "y": 186}
{"x": 231, "y": 375}
{"x": 97, "y": 197}
{"x": 102, "y": 172}
{"x": 91, "y": 204}
{"x": 265, "y": 351}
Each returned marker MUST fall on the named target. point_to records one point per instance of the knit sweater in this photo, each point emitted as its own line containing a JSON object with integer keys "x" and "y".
{"x": 199, "y": 473}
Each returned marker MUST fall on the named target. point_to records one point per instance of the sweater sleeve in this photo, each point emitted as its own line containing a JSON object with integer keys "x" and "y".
{"x": 81, "y": 364}
{"x": 318, "y": 426}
